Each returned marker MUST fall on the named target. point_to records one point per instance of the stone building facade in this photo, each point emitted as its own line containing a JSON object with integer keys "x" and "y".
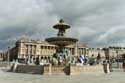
{"x": 3, "y": 55}
{"x": 36, "y": 48}
{"x": 94, "y": 52}
{"x": 114, "y": 52}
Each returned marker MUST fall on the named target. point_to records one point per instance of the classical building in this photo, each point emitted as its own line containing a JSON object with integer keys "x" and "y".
{"x": 3, "y": 56}
{"x": 114, "y": 52}
{"x": 94, "y": 52}
{"x": 37, "y": 48}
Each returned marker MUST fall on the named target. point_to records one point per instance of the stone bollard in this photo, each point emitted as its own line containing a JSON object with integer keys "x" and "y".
{"x": 106, "y": 68}
{"x": 110, "y": 67}
{"x": 12, "y": 67}
{"x": 123, "y": 65}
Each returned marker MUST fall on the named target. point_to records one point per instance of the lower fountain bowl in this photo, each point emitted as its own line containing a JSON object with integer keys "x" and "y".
{"x": 61, "y": 41}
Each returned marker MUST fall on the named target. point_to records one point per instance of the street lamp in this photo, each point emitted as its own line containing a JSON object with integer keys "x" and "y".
{"x": 8, "y": 56}
{"x": 117, "y": 59}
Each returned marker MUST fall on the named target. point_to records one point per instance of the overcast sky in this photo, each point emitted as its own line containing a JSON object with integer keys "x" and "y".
{"x": 97, "y": 23}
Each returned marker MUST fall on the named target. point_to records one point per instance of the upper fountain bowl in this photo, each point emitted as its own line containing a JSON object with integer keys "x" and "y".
{"x": 61, "y": 25}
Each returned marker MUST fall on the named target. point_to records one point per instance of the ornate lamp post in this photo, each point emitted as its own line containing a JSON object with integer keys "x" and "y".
{"x": 8, "y": 56}
{"x": 117, "y": 58}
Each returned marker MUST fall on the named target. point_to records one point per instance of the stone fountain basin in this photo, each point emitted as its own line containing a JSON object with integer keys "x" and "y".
{"x": 61, "y": 41}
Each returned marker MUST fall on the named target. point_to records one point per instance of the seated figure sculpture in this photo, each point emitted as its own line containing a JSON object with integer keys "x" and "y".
{"x": 61, "y": 58}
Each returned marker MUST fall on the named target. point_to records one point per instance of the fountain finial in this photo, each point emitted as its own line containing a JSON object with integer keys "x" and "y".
{"x": 61, "y": 21}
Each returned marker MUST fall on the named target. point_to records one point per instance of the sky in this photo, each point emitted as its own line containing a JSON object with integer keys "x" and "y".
{"x": 96, "y": 23}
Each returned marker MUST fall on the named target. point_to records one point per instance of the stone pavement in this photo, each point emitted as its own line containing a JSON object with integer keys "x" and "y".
{"x": 114, "y": 77}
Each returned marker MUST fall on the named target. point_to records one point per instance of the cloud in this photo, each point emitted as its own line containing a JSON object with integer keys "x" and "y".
{"x": 95, "y": 22}
{"x": 98, "y": 23}
{"x": 24, "y": 17}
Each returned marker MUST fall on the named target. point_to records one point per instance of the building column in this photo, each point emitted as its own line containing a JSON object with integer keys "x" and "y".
{"x": 76, "y": 50}
{"x": 29, "y": 49}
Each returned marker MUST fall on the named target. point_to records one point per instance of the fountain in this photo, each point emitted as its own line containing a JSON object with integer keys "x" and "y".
{"x": 62, "y": 55}
{"x": 61, "y": 60}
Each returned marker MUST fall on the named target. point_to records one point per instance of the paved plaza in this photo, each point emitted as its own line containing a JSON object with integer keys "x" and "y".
{"x": 118, "y": 76}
